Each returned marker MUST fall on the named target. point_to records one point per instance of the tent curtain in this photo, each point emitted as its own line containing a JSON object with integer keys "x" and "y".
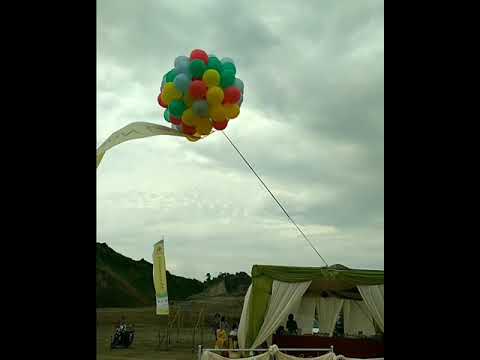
{"x": 357, "y": 318}
{"x": 284, "y": 300}
{"x": 305, "y": 314}
{"x": 243, "y": 325}
{"x": 373, "y": 296}
{"x": 328, "y": 309}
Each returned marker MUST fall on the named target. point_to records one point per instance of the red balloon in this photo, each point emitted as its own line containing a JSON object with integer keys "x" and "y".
{"x": 199, "y": 54}
{"x": 188, "y": 130}
{"x": 198, "y": 89}
{"x": 220, "y": 125}
{"x": 161, "y": 102}
{"x": 231, "y": 95}
{"x": 175, "y": 120}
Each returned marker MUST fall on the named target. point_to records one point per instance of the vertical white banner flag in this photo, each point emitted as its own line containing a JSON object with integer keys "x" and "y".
{"x": 160, "y": 278}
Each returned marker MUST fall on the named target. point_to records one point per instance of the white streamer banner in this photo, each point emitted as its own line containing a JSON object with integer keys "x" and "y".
{"x": 208, "y": 355}
{"x": 136, "y": 130}
{"x": 282, "y": 356}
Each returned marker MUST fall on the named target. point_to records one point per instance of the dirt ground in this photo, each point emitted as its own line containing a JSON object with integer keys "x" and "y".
{"x": 149, "y": 329}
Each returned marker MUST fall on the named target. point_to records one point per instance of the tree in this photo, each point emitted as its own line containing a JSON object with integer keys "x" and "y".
{"x": 209, "y": 277}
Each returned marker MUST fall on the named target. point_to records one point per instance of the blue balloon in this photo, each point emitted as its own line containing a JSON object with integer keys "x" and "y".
{"x": 200, "y": 108}
{"x": 183, "y": 67}
{"x": 180, "y": 59}
{"x": 182, "y": 82}
{"x": 238, "y": 84}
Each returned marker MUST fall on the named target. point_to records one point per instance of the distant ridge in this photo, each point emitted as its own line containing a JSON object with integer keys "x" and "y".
{"x": 124, "y": 282}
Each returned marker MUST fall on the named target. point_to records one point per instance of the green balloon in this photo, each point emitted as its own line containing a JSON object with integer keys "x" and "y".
{"x": 228, "y": 78}
{"x": 214, "y": 63}
{"x": 171, "y": 75}
{"x": 197, "y": 68}
{"x": 176, "y": 108}
{"x": 230, "y": 66}
{"x": 166, "y": 115}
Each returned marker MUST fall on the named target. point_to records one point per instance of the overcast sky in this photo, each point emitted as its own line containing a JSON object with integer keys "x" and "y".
{"x": 311, "y": 124}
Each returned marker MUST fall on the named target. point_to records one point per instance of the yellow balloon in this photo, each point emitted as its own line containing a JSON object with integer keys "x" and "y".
{"x": 188, "y": 100}
{"x": 215, "y": 96}
{"x": 231, "y": 110}
{"x": 196, "y": 120}
{"x": 211, "y": 77}
{"x": 204, "y": 126}
{"x": 189, "y": 118}
{"x": 171, "y": 93}
{"x": 193, "y": 139}
{"x": 217, "y": 113}
{"x": 167, "y": 99}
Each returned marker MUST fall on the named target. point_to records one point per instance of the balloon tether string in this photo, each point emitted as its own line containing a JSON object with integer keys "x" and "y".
{"x": 273, "y": 196}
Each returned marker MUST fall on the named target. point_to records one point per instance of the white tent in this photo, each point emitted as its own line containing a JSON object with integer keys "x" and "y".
{"x": 277, "y": 291}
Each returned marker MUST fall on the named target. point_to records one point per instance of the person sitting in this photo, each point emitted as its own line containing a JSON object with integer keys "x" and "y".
{"x": 120, "y": 332}
{"x": 280, "y": 331}
{"x": 292, "y": 326}
{"x": 122, "y": 326}
{"x": 122, "y": 323}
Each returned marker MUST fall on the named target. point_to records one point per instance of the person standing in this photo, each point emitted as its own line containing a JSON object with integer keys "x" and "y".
{"x": 224, "y": 324}
{"x": 292, "y": 326}
{"x": 216, "y": 324}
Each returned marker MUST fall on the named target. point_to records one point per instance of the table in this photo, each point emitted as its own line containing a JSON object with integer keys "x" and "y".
{"x": 349, "y": 347}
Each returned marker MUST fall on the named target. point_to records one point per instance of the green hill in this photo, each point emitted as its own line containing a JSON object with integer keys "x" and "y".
{"x": 123, "y": 282}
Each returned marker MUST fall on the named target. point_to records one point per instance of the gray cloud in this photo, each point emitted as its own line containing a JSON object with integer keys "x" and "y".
{"x": 312, "y": 125}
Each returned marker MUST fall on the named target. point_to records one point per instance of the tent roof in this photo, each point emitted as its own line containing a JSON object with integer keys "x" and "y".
{"x": 322, "y": 278}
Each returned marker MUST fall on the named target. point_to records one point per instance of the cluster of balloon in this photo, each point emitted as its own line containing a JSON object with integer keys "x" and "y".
{"x": 201, "y": 93}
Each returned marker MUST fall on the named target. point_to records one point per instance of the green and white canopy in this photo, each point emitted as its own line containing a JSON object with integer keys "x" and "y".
{"x": 277, "y": 291}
